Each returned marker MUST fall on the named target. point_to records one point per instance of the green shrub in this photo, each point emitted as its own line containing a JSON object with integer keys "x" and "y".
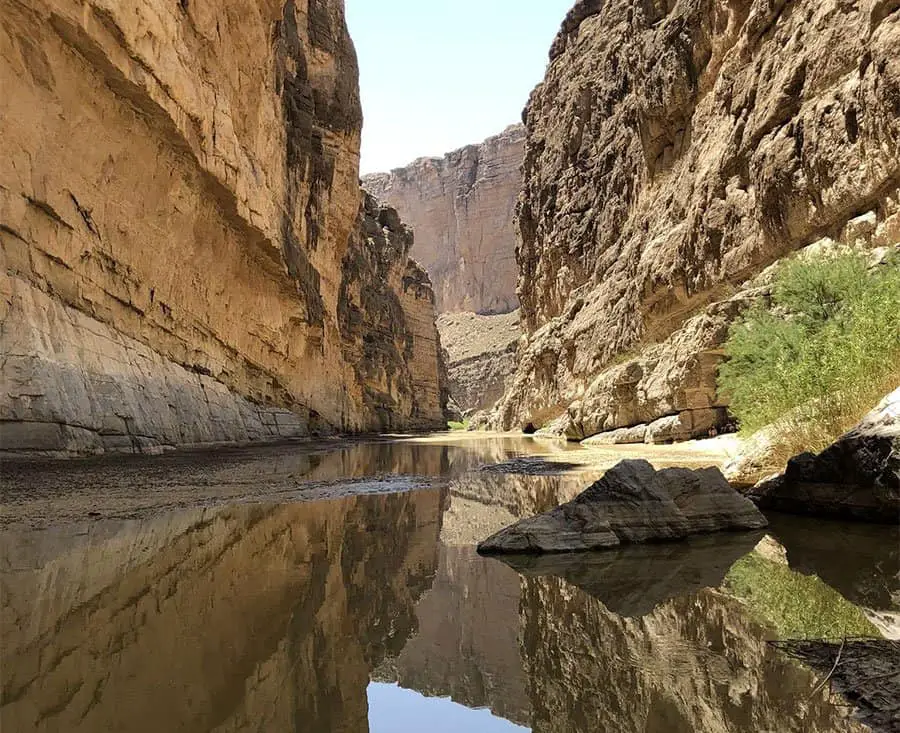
{"x": 822, "y": 354}
{"x": 464, "y": 425}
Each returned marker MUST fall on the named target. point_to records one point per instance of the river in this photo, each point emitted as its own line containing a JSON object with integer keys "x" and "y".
{"x": 335, "y": 587}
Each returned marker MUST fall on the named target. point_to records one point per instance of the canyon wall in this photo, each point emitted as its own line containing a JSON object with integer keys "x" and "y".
{"x": 480, "y": 356}
{"x": 187, "y": 256}
{"x": 461, "y": 208}
{"x": 674, "y": 150}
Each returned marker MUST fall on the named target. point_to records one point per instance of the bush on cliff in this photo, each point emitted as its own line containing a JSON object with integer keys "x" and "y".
{"x": 820, "y": 355}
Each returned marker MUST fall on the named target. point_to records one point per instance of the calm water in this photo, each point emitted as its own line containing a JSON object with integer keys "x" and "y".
{"x": 337, "y": 589}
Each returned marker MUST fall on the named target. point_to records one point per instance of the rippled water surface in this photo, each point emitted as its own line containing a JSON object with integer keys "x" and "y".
{"x": 335, "y": 587}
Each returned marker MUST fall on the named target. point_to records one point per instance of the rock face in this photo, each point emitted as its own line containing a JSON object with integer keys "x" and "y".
{"x": 461, "y": 207}
{"x": 187, "y": 255}
{"x": 857, "y": 477}
{"x": 632, "y": 503}
{"x": 673, "y": 151}
{"x": 481, "y": 356}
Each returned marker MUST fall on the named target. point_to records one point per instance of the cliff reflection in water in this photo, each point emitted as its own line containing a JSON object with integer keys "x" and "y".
{"x": 277, "y": 616}
{"x": 251, "y": 617}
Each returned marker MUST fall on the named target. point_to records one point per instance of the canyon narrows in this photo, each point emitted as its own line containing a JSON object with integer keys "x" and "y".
{"x": 461, "y": 208}
{"x": 188, "y": 258}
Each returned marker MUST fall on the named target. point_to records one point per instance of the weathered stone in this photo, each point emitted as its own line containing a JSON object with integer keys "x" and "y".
{"x": 685, "y": 425}
{"x": 620, "y": 436}
{"x": 461, "y": 208}
{"x": 673, "y": 151}
{"x": 185, "y": 176}
{"x": 481, "y": 356}
{"x": 857, "y": 477}
{"x": 632, "y": 503}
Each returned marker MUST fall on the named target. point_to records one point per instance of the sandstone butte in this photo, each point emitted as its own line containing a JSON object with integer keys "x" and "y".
{"x": 461, "y": 209}
{"x": 187, "y": 254}
{"x": 673, "y": 151}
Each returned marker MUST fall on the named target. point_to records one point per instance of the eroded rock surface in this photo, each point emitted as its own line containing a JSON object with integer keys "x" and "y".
{"x": 632, "y": 503}
{"x": 481, "y": 356}
{"x": 461, "y": 207}
{"x": 187, "y": 255}
{"x": 673, "y": 151}
{"x": 857, "y": 477}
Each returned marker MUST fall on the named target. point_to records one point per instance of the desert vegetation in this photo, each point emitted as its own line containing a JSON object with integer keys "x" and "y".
{"x": 821, "y": 354}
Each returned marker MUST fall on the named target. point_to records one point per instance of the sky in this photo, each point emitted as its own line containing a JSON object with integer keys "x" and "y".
{"x": 393, "y": 709}
{"x": 439, "y": 74}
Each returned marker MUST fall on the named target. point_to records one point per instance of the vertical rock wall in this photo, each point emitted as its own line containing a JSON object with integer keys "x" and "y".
{"x": 674, "y": 150}
{"x": 461, "y": 208}
{"x": 179, "y": 214}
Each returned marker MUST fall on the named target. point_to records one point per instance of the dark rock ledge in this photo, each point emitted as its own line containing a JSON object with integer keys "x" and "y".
{"x": 857, "y": 477}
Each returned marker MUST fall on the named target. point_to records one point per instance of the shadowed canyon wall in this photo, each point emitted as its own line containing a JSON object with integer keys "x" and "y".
{"x": 187, "y": 257}
{"x": 461, "y": 208}
{"x": 674, "y": 150}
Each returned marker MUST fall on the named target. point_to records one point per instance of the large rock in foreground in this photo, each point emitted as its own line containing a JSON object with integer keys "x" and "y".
{"x": 857, "y": 477}
{"x": 633, "y": 502}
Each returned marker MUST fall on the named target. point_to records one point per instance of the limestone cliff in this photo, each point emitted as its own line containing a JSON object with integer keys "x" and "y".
{"x": 674, "y": 150}
{"x": 461, "y": 208}
{"x": 481, "y": 356}
{"x": 187, "y": 255}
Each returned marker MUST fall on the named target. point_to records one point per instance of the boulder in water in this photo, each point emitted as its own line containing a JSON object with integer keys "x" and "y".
{"x": 633, "y": 502}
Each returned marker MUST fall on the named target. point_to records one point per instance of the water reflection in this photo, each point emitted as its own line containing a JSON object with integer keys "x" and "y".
{"x": 251, "y": 617}
{"x": 282, "y": 615}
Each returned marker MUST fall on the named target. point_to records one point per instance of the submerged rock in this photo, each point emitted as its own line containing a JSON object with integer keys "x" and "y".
{"x": 857, "y": 477}
{"x": 633, "y": 502}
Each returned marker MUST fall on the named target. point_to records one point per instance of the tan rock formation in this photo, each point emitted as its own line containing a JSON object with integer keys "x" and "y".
{"x": 673, "y": 151}
{"x": 179, "y": 199}
{"x": 481, "y": 356}
{"x": 461, "y": 209}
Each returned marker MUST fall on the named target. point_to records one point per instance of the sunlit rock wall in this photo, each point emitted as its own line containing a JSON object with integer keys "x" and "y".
{"x": 180, "y": 216}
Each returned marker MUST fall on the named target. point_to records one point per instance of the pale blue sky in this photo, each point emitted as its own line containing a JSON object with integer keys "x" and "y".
{"x": 439, "y": 74}
{"x": 393, "y": 709}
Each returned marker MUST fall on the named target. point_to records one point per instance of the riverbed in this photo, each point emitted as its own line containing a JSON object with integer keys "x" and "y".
{"x": 334, "y": 586}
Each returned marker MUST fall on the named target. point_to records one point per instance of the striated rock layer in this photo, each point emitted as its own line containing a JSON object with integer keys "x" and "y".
{"x": 187, "y": 255}
{"x": 856, "y": 477}
{"x": 632, "y": 503}
{"x": 461, "y": 207}
{"x": 673, "y": 151}
{"x": 480, "y": 355}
